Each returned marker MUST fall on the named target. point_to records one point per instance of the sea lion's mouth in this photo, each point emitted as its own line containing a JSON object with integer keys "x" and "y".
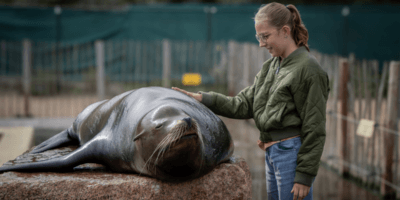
{"x": 184, "y": 131}
{"x": 189, "y": 136}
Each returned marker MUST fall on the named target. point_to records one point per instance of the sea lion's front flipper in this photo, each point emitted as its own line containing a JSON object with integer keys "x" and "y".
{"x": 62, "y": 138}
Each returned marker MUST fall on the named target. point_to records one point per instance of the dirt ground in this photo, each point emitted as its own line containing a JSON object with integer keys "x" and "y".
{"x": 245, "y": 135}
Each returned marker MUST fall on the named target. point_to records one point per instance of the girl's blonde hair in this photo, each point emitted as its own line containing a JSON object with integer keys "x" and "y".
{"x": 279, "y": 15}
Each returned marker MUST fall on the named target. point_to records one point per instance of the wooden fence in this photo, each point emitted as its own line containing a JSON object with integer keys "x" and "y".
{"x": 91, "y": 72}
{"x": 361, "y": 92}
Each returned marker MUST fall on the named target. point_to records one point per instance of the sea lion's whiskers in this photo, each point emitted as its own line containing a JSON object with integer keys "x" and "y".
{"x": 146, "y": 166}
{"x": 161, "y": 149}
{"x": 158, "y": 149}
{"x": 177, "y": 135}
{"x": 198, "y": 132}
{"x": 169, "y": 141}
{"x": 172, "y": 138}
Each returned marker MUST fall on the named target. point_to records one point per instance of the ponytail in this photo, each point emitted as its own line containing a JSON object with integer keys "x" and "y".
{"x": 299, "y": 30}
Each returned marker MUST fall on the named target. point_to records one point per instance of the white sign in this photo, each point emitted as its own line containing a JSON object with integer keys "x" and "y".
{"x": 365, "y": 128}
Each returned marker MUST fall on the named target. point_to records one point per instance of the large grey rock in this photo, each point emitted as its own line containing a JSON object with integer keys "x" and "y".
{"x": 230, "y": 180}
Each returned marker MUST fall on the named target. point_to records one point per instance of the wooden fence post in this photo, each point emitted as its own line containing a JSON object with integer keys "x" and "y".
{"x": 166, "y": 46}
{"x": 100, "y": 75}
{"x": 391, "y": 123}
{"x": 343, "y": 96}
{"x": 26, "y": 63}
{"x": 246, "y": 65}
{"x": 231, "y": 67}
{"x": 260, "y": 58}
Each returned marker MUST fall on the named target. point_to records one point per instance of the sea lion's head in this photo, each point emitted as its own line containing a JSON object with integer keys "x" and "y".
{"x": 170, "y": 143}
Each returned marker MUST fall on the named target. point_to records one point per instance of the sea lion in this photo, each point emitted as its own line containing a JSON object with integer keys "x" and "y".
{"x": 153, "y": 131}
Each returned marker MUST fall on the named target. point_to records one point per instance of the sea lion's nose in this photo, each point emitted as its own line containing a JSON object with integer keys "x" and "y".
{"x": 188, "y": 121}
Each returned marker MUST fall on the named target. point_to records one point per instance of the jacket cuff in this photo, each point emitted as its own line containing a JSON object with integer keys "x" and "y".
{"x": 303, "y": 178}
{"x": 207, "y": 99}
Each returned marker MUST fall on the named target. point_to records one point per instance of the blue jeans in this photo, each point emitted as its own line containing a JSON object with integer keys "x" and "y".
{"x": 280, "y": 167}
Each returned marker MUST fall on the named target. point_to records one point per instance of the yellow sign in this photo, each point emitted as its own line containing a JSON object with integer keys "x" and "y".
{"x": 191, "y": 79}
{"x": 365, "y": 128}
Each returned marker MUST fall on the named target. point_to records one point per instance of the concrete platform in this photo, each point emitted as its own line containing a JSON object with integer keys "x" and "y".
{"x": 14, "y": 141}
{"x": 44, "y": 123}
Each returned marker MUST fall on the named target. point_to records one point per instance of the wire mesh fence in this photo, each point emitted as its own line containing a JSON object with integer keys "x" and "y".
{"x": 363, "y": 157}
{"x": 64, "y": 79}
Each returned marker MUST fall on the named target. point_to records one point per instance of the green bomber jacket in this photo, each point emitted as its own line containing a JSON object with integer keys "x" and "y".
{"x": 286, "y": 99}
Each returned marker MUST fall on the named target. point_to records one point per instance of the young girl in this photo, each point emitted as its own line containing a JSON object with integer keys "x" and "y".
{"x": 287, "y": 101}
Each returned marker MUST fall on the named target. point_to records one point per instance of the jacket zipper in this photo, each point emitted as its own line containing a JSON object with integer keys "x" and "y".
{"x": 276, "y": 73}
{"x": 277, "y": 70}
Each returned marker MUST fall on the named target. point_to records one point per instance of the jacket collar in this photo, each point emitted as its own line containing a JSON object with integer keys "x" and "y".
{"x": 294, "y": 54}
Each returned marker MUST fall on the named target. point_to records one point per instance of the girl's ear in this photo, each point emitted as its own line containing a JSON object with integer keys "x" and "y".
{"x": 286, "y": 30}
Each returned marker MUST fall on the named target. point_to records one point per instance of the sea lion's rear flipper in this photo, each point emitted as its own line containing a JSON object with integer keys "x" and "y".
{"x": 61, "y": 139}
{"x": 59, "y": 164}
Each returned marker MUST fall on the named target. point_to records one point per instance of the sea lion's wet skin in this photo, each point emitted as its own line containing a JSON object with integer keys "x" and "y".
{"x": 152, "y": 131}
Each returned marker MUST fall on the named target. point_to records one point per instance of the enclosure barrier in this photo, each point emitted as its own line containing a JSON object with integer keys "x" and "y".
{"x": 371, "y": 158}
{"x": 40, "y": 80}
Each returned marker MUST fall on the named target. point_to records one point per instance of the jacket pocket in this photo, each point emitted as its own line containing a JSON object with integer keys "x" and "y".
{"x": 277, "y": 116}
{"x": 281, "y": 110}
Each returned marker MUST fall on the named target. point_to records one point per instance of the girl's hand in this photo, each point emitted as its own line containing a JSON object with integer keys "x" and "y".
{"x": 196, "y": 96}
{"x": 300, "y": 191}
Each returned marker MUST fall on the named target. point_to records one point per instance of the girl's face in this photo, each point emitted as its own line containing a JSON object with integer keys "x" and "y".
{"x": 271, "y": 38}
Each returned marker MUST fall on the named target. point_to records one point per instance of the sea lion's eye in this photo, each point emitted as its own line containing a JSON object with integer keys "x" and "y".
{"x": 159, "y": 126}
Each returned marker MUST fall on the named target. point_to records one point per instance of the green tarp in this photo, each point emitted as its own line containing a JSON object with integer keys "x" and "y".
{"x": 370, "y": 31}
